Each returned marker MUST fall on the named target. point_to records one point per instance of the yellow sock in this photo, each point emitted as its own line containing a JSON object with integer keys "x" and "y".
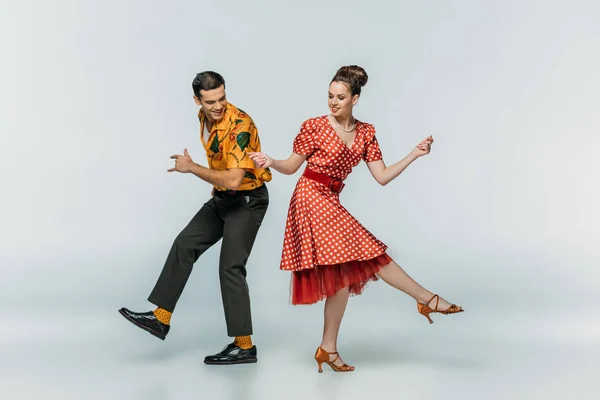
{"x": 243, "y": 342}
{"x": 163, "y": 315}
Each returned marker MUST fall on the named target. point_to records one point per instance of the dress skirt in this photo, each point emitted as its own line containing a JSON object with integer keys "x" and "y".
{"x": 325, "y": 247}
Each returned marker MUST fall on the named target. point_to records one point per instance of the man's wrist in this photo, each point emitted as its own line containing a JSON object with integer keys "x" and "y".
{"x": 194, "y": 168}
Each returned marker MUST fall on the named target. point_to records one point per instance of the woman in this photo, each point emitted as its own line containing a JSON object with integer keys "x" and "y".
{"x": 331, "y": 255}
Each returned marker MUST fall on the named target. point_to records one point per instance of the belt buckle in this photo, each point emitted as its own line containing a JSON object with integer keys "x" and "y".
{"x": 336, "y": 185}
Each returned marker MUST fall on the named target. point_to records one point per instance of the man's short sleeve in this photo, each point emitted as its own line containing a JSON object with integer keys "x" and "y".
{"x": 242, "y": 138}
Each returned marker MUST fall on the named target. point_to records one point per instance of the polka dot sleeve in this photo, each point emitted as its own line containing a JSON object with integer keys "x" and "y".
{"x": 372, "y": 152}
{"x": 304, "y": 143}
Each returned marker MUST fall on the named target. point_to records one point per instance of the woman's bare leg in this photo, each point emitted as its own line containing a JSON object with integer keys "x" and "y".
{"x": 395, "y": 276}
{"x": 335, "y": 306}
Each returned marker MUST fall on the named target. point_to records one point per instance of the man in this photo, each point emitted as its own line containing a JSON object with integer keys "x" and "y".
{"x": 234, "y": 213}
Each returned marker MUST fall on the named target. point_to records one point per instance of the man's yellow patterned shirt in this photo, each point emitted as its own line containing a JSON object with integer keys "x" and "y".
{"x": 229, "y": 142}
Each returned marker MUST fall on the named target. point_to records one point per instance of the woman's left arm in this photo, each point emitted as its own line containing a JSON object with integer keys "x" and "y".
{"x": 384, "y": 175}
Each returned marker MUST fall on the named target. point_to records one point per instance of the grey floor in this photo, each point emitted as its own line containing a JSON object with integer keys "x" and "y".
{"x": 484, "y": 353}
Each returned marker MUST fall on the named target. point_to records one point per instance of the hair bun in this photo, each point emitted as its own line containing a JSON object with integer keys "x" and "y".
{"x": 359, "y": 73}
{"x": 354, "y": 76}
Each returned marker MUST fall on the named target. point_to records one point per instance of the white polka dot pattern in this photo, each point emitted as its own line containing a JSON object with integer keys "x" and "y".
{"x": 319, "y": 230}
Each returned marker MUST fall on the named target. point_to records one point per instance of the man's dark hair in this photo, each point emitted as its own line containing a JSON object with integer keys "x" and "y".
{"x": 207, "y": 80}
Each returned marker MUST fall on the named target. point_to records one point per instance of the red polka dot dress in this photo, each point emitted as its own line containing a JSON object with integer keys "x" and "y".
{"x": 324, "y": 245}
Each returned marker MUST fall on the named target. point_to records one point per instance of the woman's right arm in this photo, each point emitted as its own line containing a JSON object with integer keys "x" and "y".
{"x": 286, "y": 167}
{"x": 289, "y": 166}
{"x": 304, "y": 145}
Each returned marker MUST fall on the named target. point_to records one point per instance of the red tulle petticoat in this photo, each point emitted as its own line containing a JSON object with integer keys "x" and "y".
{"x": 315, "y": 284}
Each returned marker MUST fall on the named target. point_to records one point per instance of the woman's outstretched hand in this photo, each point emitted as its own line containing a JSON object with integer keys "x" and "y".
{"x": 261, "y": 160}
{"x": 423, "y": 148}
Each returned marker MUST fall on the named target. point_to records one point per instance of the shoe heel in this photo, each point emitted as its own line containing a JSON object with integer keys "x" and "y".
{"x": 428, "y": 318}
{"x": 425, "y": 310}
{"x": 321, "y": 356}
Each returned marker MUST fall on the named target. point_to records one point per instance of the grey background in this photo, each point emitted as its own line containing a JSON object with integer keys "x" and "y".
{"x": 502, "y": 217}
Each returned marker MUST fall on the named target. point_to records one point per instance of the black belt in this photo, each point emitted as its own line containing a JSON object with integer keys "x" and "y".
{"x": 223, "y": 193}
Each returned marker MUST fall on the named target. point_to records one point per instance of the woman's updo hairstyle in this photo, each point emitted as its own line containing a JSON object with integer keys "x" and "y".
{"x": 353, "y": 76}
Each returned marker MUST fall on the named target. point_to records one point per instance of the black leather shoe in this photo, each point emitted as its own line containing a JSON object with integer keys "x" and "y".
{"x": 232, "y": 354}
{"x": 147, "y": 321}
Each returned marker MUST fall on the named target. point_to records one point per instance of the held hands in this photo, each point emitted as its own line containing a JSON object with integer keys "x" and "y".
{"x": 423, "y": 148}
{"x": 182, "y": 163}
{"x": 261, "y": 160}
